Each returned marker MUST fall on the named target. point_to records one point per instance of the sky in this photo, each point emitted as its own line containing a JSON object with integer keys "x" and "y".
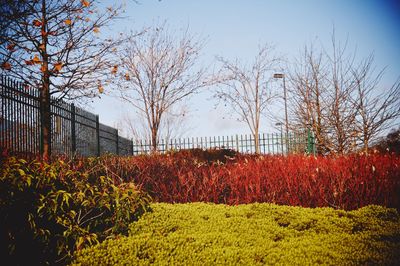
{"x": 235, "y": 28}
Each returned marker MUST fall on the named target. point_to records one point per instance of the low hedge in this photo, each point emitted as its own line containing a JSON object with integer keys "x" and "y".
{"x": 345, "y": 182}
{"x": 50, "y": 210}
{"x": 253, "y": 234}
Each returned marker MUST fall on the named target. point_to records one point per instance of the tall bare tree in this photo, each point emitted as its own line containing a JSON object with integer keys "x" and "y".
{"x": 341, "y": 112}
{"x": 377, "y": 110}
{"x": 174, "y": 125}
{"x": 55, "y": 45}
{"x": 308, "y": 88}
{"x": 338, "y": 96}
{"x": 158, "y": 71}
{"x": 246, "y": 88}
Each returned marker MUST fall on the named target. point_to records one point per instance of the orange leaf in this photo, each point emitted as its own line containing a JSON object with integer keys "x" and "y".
{"x": 87, "y": 19}
{"x": 42, "y": 46}
{"x": 42, "y": 68}
{"x": 37, "y": 23}
{"x": 58, "y": 66}
{"x": 85, "y": 3}
{"x": 36, "y": 60}
{"x": 127, "y": 77}
{"x": 11, "y": 47}
{"x": 68, "y": 22}
{"x": 29, "y": 62}
{"x": 96, "y": 30}
{"x": 114, "y": 70}
{"x": 6, "y": 66}
{"x": 100, "y": 88}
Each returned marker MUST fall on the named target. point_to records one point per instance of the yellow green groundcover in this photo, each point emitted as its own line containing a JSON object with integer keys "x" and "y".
{"x": 253, "y": 234}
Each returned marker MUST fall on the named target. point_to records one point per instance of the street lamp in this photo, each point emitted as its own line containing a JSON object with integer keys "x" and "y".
{"x": 282, "y": 76}
{"x": 280, "y": 124}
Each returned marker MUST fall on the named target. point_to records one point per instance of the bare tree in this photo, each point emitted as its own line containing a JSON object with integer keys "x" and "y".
{"x": 308, "y": 89}
{"x": 173, "y": 125}
{"x": 158, "y": 71}
{"x": 246, "y": 89}
{"x": 55, "y": 45}
{"x": 336, "y": 95}
{"x": 341, "y": 112}
{"x": 376, "y": 111}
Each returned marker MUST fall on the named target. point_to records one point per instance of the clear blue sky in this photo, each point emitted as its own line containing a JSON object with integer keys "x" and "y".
{"x": 235, "y": 28}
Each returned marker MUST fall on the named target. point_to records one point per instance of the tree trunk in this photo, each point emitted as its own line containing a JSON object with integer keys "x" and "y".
{"x": 366, "y": 141}
{"x": 366, "y": 148}
{"x": 257, "y": 142}
{"x": 45, "y": 120}
{"x": 45, "y": 112}
{"x": 154, "y": 139}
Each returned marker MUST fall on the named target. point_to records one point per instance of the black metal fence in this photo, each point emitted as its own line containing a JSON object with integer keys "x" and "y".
{"x": 277, "y": 143}
{"x": 74, "y": 130}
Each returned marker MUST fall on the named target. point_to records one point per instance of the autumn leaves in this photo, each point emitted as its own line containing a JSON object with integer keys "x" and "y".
{"x": 40, "y": 30}
{"x": 85, "y": 3}
{"x": 34, "y": 61}
{"x": 6, "y": 66}
{"x": 55, "y": 47}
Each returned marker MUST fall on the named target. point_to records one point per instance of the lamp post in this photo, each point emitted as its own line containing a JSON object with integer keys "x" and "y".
{"x": 282, "y": 76}
{"x": 280, "y": 124}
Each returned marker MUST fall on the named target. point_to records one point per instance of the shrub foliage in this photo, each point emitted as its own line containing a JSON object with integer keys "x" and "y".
{"x": 253, "y": 234}
{"x": 50, "y": 210}
{"x": 345, "y": 182}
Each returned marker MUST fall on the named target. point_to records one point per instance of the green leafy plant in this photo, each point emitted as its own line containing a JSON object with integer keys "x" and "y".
{"x": 50, "y": 210}
{"x": 253, "y": 234}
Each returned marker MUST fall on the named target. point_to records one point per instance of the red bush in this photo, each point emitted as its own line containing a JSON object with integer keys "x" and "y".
{"x": 346, "y": 182}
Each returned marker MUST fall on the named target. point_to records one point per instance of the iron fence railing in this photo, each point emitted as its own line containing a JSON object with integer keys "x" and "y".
{"x": 73, "y": 129}
{"x": 77, "y": 131}
{"x": 276, "y": 143}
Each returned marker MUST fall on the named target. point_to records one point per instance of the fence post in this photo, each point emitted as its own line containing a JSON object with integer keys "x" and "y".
{"x": 73, "y": 132}
{"x": 117, "y": 137}
{"x": 98, "y": 134}
{"x": 245, "y": 141}
{"x": 263, "y": 139}
{"x": 310, "y": 142}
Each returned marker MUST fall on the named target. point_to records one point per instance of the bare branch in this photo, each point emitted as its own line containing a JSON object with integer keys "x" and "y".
{"x": 158, "y": 71}
{"x": 338, "y": 96}
{"x": 247, "y": 89}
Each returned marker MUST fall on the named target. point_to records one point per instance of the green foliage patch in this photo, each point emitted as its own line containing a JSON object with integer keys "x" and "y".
{"x": 253, "y": 234}
{"x": 50, "y": 210}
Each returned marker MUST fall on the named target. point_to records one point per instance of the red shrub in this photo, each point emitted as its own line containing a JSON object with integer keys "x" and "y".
{"x": 346, "y": 182}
